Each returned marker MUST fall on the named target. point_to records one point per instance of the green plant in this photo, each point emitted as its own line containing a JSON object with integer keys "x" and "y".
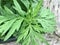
{"x": 27, "y": 25}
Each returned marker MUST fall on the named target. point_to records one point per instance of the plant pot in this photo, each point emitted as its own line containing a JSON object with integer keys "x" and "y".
{"x": 12, "y": 39}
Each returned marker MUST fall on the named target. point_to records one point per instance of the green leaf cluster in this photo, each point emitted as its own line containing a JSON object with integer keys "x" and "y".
{"x": 26, "y": 24}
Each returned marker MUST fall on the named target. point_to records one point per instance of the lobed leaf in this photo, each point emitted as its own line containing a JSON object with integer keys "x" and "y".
{"x": 18, "y": 8}
{"x": 40, "y": 37}
{"x": 12, "y": 30}
{"x": 26, "y": 41}
{"x": 47, "y": 13}
{"x": 2, "y": 19}
{"x": 26, "y": 3}
{"x": 37, "y": 8}
{"x": 46, "y": 25}
{"x": 5, "y": 26}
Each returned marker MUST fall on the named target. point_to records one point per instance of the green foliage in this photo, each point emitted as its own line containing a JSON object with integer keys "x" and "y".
{"x": 0, "y": 2}
{"x": 6, "y": 2}
{"x": 29, "y": 25}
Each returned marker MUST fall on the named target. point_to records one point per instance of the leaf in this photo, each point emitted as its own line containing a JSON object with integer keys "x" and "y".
{"x": 26, "y": 41}
{"x": 26, "y": 3}
{"x": 0, "y": 2}
{"x": 38, "y": 28}
{"x": 46, "y": 25}
{"x": 47, "y": 20}
{"x": 8, "y": 10}
{"x": 34, "y": 3}
{"x": 47, "y": 13}
{"x": 18, "y": 8}
{"x": 24, "y": 28}
{"x": 33, "y": 41}
{"x": 32, "y": 36}
{"x": 26, "y": 32}
{"x": 40, "y": 37}
{"x": 2, "y": 19}
{"x": 19, "y": 38}
{"x": 7, "y": 13}
{"x": 12, "y": 30}
{"x": 37, "y": 8}
{"x": 5, "y": 26}
{"x": 18, "y": 25}
{"x": 52, "y": 22}
{"x": 1, "y": 10}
